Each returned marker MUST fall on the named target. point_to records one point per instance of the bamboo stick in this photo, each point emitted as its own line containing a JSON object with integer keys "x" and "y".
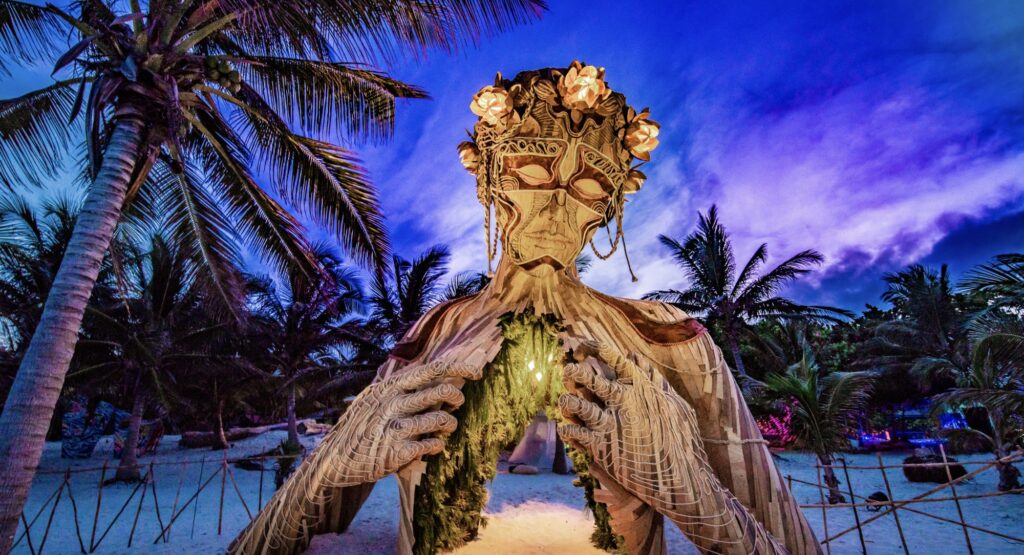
{"x": 959, "y": 510}
{"x": 856, "y": 515}
{"x": 99, "y": 499}
{"x": 907, "y": 507}
{"x": 74, "y": 512}
{"x": 895, "y": 515}
{"x": 138, "y": 511}
{"x": 824, "y": 512}
{"x": 53, "y": 511}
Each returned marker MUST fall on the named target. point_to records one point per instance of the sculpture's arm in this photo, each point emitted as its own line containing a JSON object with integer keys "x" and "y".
{"x": 644, "y": 436}
{"x": 389, "y": 425}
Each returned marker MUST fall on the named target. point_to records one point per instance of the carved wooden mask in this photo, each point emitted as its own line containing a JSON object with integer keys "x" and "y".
{"x": 554, "y": 187}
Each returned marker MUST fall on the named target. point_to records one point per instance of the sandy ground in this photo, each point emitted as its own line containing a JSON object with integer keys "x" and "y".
{"x": 540, "y": 514}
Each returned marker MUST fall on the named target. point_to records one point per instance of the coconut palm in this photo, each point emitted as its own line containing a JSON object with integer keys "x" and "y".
{"x": 995, "y": 379}
{"x": 825, "y": 408}
{"x": 300, "y": 320}
{"x": 409, "y": 289}
{"x": 995, "y": 383}
{"x": 729, "y": 301}
{"x": 32, "y": 244}
{"x": 216, "y": 85}
{"x": 150, "y": 331}
{"x": 924, "y": 337}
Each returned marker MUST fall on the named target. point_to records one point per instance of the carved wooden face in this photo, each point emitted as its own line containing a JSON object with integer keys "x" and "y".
{"x": 552, "y": 195}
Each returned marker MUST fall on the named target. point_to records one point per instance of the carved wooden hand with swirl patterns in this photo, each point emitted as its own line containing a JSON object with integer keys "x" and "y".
{"x": 644, "y": 436}
{"x": 389, "y": 425}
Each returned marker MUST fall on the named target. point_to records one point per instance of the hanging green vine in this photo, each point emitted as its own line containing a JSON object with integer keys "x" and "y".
{"x": 602, "y": 537}
{"x": 523, "y": 379}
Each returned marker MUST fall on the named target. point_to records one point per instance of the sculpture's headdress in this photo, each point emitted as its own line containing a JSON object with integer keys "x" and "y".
{"x": 555, "y": 104}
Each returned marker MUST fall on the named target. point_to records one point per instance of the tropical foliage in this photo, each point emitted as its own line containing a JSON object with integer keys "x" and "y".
{"x": 730, "y": 301}
{"x": 182, "y": 105}
{"x": 825, "y": 408}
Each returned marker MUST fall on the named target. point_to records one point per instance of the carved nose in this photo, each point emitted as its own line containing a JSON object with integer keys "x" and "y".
{"x": 558, "y": 198}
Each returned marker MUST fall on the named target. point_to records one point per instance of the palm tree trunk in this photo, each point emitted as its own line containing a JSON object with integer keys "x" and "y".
{"x": 834, "y": 495}
{"x": 293, "y": 424}
{"x": 560, "y": 464}
{"x": 220, "y": 438}
{"x": 128, "y": 470}
{"x": 1009, "y": 476}
{"x": 40, "y": 377}
{"x": 734, "y": 346}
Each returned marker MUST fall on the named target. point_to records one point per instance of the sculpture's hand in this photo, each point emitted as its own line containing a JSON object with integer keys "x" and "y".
{"x": 643, "y": 435}
{"x": 398, "y": 420}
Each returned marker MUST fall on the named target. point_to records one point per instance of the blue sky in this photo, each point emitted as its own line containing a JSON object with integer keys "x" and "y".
{"x": 879, "y": 133}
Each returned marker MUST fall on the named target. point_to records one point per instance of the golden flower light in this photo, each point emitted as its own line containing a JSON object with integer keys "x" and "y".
{"x": 492, "y": 105}
{"x": 469, "y": 155}
{"x": 642, "y": 136}
{"x": 634, "y": 181}
{"x": 582, "y": 87}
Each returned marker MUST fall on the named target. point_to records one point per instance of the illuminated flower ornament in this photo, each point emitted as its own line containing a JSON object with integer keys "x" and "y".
{"x": 582, "y": 87}
{"x": 492, "y": 105}
{"x": 469, "y": 155}
{"x": 642, "y": 136}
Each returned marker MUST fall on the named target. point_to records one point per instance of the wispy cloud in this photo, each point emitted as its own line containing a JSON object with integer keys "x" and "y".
{"x": 868, "y": 132}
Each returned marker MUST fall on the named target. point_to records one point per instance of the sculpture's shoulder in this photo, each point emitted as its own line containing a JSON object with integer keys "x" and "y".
{"x": 427, "y": 327}
{"x": 657, "y": 322}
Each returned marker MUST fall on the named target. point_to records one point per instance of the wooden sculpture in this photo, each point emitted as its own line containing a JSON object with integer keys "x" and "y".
{"x": 646, "y": 393}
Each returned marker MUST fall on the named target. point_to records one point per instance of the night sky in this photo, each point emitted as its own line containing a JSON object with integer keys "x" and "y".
{"x": 879, "y": 133}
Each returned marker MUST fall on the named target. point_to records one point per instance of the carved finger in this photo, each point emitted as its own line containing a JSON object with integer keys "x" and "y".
{"x": 589, "y": 377}
{"x": 586, "y": 412}
{"x": 624, "y": 368}
{"x": 408, "y": 451}
{"x": 437, "y": 422}
{"x": 419, "y": 401}
{"x": 577, "y": 434}
{"x": 426, "y": 374}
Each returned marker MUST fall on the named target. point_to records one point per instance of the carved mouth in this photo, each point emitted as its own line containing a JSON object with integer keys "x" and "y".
{"x": 544, "y": 239}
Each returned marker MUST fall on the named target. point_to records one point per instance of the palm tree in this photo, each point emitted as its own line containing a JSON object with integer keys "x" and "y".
{"x": 824, "y": 407}
{"x": 995, "y": 383}
{"x": 924, "y": 336}
{"x": 301, "y": 320}
{"x": 731, "y": 302}
{"x": 153, "y": 329}
{"x": 409, "y": 289}
{"x": 179, "y": 84}
{"x": 32, "y": 243}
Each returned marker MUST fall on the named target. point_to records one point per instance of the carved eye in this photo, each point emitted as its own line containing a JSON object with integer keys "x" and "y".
{"x": 589, "y": 187}
{"x": 534, "y": 174}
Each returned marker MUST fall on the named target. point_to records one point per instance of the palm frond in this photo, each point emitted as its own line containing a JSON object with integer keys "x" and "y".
{"x": 28, "y": 33}
{"x": 386, "y": 30}
{"x": 34, "y": 133}
{"x": 261, "y": 220}
{"x": 194, "y": 221}
{"x": 773, "y": 281}
{"x": 421, "y": 282}
{"x": 691, "y": 301}
{"x": 323, "y": 179}
{"x": 465, "y": 284}
{"x": 328, "y": 98}
{"x": 750, "y": 269}
{"x": 1003, "y": 277}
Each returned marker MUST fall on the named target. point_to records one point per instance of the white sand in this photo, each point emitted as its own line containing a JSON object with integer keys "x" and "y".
{"x": 540, "y": 514}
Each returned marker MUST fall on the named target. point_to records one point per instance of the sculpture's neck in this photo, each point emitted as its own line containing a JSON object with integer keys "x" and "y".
{"x": 542, "y": 286}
